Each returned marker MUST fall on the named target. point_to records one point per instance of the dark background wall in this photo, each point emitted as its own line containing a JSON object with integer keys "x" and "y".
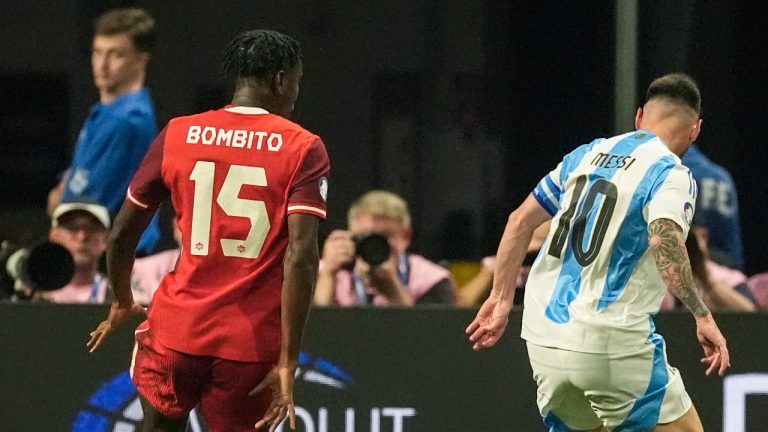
{"x": 722, "y": 45}
{"x": 546, "y": 70}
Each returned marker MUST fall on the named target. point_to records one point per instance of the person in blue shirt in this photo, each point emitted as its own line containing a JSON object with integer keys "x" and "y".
{"x": 718, "y": 208}
{"x": 121, "y": 126}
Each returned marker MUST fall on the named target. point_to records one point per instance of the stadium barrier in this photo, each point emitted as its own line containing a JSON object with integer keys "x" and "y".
{"x": 362, "y": 370}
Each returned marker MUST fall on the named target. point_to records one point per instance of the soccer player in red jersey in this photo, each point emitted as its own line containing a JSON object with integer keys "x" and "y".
{"x": 249, "y": 187}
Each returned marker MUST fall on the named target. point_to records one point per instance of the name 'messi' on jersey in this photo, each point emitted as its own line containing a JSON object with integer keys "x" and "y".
{"x": 613, "y": 161}
{"x": 237, "y": 138}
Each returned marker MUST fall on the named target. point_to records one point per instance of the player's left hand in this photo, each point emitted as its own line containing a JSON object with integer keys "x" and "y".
{"x": 489, "y": 324}
{"x": 716, "y": 355}
{"x": 117, "y": 315}
{"x": 280, "y": 381}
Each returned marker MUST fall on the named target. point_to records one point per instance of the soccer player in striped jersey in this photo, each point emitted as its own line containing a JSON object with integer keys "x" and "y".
{"x": 249, "y": 187}
{"x": 621, "y": 209}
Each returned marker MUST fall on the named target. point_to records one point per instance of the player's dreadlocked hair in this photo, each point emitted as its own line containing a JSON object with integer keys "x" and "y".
{"x": 260, "y": 54}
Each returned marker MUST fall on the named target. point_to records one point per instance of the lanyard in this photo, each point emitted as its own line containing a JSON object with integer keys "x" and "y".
{"x": 365, "y": 296}
{"x": 95, "y": 286}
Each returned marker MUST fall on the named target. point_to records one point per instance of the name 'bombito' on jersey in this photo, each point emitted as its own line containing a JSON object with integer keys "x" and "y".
{"x": 238, "y": 138}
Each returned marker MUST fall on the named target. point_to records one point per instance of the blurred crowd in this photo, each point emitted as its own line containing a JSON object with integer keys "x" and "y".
{"x": 368, "y": 263}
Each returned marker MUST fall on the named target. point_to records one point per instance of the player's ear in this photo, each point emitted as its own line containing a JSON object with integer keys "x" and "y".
{"x": 638, "y": 117}
{"x": 696, "y": 130}
{"x": 279, "y": 82}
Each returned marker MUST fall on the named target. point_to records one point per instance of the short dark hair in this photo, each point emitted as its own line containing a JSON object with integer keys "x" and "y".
{"x": 677, "y": 87}
{"x": 136, "y": 23}
{"x": 260, "y": 54}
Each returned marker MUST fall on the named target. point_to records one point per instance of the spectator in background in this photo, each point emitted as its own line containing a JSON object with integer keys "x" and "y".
{"x": 404, "y": 279}
{"x": 718, "y": 205}
{"x": 149, "y": 270}
{"x": 120, "y": 127}
{"x": 719, "y": 287}
{"x": 719, "y": 273}
{"x": 81, "y": 227}
{"x": 477, "y": 289}
{"x": 758, "y": 284}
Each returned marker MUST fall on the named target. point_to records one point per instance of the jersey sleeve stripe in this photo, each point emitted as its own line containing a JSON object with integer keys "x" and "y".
{"x": 135, "y": 201}
{"x": 306, "y": 209}
{"x": 551, "y": 191}
{"x": 538, "y": 193}
{"x": 552, "y": 186}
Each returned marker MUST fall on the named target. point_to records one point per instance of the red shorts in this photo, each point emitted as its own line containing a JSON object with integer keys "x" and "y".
{"x": 175, "y": 382}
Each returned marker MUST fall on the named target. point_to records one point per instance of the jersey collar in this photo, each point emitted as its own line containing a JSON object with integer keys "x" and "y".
{"x": 245, "y": 110}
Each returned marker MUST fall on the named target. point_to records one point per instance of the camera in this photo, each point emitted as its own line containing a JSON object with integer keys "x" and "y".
{"x": 44, "y": 266}
{"x": 372, "y": 248}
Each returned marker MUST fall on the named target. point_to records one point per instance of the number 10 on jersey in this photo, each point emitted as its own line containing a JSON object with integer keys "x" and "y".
{"x": 232, "y": 205}
{"x": 599, "y": 187}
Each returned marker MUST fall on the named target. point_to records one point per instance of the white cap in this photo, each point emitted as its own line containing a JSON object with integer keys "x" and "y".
{"x": 96, "y": 210}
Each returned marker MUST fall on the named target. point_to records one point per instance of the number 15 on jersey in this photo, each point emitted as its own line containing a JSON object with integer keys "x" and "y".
{"x": 232, "y": 205}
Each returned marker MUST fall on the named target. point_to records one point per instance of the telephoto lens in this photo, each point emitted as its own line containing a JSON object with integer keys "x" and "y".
{"x": 373, "y": 248}
{"x": 45, "y": 266}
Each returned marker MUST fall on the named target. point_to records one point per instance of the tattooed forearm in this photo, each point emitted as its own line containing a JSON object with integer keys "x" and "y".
{"x": 668, "y": 246}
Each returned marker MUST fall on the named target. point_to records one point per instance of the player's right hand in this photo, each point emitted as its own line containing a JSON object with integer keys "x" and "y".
{"x": 117, "y": 315}
{"x": 280, "y": 382}
{"x": 489, "y": 324}
{"x": 716, "y": 354}
{"x": 338, "y": 250}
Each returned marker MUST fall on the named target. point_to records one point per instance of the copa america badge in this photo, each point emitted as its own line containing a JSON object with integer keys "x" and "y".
{"x": 322, "y": 184}
{"x": 688, "y": 210}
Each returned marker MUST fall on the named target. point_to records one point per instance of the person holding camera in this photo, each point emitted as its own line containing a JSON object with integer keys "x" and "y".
{"x": 81, "y": 227}
{"x": 368, "y": 264}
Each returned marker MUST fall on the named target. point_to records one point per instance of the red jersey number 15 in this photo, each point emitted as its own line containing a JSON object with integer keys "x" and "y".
{"x": 228, "y": 200}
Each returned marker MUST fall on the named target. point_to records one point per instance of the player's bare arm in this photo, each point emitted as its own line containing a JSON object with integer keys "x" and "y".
{"x": 491, "y": 320}
{"x": 668, "y": 247}
{"x": 129, "y": 224}
{"x": 299, "y": 276}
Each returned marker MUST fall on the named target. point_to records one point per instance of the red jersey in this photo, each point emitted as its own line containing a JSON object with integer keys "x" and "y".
{"x": 234, "y": 175}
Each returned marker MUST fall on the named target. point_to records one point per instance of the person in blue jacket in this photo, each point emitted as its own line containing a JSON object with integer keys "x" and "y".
{"x": 717, "y": 207}
{"x": 121, "y": 125}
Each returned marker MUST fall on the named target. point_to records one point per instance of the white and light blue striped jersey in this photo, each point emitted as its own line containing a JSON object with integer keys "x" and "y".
{"x": 594, "y": 286}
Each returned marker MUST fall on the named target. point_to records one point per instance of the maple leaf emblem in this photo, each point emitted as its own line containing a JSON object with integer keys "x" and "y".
{"x": 199, "y": 245}
{"x": 241, "y": 248}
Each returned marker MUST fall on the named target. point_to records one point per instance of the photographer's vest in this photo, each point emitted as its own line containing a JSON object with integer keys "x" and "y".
{"x": 417, "y": 274}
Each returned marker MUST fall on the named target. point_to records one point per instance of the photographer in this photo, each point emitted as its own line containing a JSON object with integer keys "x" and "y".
{"x": 358, "y": 268}
{"x": 81, "y": 227}
{"x": 718, "y": 293}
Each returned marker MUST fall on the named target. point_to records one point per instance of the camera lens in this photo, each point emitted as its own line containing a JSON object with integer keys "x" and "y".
{"x": 372, "y": 248}
{"x": 49, "y": 266}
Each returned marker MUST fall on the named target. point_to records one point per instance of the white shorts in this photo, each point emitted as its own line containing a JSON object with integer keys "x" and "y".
{"x": 584, "y": 391}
